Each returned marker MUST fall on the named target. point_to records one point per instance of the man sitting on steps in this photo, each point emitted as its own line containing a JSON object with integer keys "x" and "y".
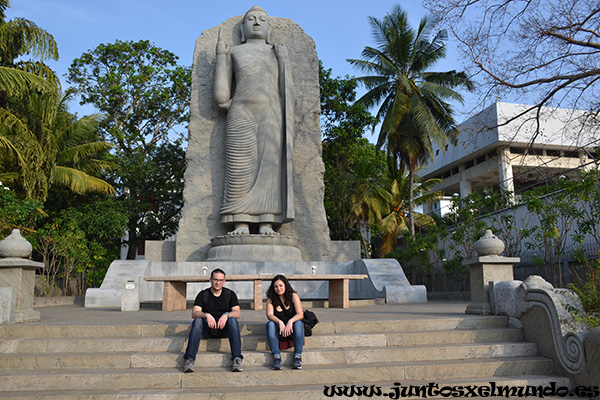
{"x": 215, "y": 315}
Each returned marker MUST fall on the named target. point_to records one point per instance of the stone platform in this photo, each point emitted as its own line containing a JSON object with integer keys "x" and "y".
{"x": 386, "y": 280}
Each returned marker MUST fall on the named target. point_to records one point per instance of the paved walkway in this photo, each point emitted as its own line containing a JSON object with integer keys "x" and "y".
{"x": 78, "y": 315}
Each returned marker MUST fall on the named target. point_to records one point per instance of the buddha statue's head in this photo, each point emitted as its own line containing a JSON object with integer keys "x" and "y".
{"x": 255, "y": 25}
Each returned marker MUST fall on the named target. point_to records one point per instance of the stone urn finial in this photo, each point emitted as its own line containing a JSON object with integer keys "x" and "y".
{"x": 15, "y": 246}
{"x": 489, "y": 244}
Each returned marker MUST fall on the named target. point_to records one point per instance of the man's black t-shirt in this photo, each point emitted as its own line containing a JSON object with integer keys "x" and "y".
{"x": 217, "y": 306}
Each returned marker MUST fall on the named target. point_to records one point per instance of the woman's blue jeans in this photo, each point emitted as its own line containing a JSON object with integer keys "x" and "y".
{"x": 200, "y": 325}
{"x": 297, "y": 335}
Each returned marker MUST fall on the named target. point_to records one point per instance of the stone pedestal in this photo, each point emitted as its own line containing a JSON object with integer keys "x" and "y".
{"x": 254, "y": 248}
{"x": 484, "y": 270}
{"x": 17, "y": 275}
{"x": 490, "y": 266}
{"x": 130, "y": 300}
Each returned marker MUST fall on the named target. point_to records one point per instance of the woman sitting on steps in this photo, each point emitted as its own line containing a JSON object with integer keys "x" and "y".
{"x": 284, "y": 312}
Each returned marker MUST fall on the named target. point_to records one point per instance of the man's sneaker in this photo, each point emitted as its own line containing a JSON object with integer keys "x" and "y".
{"x": 188, "y": 365}
{"x": 237, "y": 365}
{"x": 276, "y": 362}
{"x": 297, "y": 364}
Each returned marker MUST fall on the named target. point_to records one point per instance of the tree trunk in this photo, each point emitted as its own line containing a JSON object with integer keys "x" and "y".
{"x": 411, "y": 206}
{"x": 364, "y": 239}
{"x": 132, "y": 241}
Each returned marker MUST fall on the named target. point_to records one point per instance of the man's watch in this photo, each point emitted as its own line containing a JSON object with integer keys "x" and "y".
{"x": 227, "y": 313}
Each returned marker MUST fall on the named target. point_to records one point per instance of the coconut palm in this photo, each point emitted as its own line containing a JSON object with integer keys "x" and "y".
{"x": 18, "y": 78}
{"x": 395, "y": 220}
{"x": 40, "y": 142}
{"x": 367, "y": 197}
{"x": 18, "y": 38}
{"x": 413, "y": 109}
{"x": 56, "y": 148}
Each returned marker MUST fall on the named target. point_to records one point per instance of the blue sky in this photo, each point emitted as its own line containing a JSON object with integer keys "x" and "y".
{"x": 340, "y": 28}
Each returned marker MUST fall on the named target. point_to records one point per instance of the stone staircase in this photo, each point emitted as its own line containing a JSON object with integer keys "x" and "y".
{"x": 144, "y": 361}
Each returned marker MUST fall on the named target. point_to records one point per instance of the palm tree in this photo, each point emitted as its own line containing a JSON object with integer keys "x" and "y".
{"x": 40, "y": 141}
{"x": 395, "y": 220}
{"x": 21, "y": 37}
{"x": 413, "y": 107}
{"x": 367, "y": 197}
{"x": 18, "y": 78}
{"x": 55, "y": 148}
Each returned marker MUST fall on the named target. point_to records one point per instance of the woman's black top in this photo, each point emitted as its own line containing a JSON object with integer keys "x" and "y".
{"x": 285, "y": 315}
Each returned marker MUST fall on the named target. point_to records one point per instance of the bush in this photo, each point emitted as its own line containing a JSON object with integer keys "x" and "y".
{"x": 588, "y": 290}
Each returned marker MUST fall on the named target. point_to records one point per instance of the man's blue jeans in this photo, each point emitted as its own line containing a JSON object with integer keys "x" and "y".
{"x": 199, "y": 325}
{"x": 297, "y": 335}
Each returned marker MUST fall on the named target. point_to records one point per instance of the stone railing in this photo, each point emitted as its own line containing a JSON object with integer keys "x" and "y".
{"x": 516, "y": 298}
{"x": 546, "y": 315}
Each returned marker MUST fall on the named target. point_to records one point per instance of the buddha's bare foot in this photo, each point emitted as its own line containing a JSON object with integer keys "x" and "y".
{"x": 266, "y": 229}
{"x": 241, "y": 229}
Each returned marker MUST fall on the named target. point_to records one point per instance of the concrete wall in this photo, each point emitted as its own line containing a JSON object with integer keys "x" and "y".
{"x": 560, "y": 128}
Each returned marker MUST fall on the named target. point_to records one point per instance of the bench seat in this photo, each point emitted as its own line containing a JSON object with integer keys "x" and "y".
{"x": 175, "y": 291}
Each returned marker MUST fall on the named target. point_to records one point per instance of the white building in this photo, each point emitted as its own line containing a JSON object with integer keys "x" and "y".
{"x": 492, "y": 152}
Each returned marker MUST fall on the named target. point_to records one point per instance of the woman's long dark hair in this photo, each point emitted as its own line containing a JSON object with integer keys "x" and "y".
{"x": 287, "y": 295}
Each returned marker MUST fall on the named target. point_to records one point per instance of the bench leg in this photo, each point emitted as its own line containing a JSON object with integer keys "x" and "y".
{"x": 339, "y": 293}
{"x": 258, "y": 301}
{"x": 174, "y": 296}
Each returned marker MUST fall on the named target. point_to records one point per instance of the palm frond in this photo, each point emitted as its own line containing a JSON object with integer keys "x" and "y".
{"x": 20, "y": 37}
{"x": 16, "y": 82}
{"x": 80, "y": 182}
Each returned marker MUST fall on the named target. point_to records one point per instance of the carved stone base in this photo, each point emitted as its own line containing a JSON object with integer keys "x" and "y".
{"x": 479, "y": 309}
{"x": 27, "y": 316}
{"x": 254, "y": 248}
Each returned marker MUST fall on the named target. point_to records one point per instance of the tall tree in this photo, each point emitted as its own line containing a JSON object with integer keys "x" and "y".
{"x": 343, "y": 123}
{"x": 545, "y": 51}
{"x": 413, "y": 100}
{"x": 145, "y": 96}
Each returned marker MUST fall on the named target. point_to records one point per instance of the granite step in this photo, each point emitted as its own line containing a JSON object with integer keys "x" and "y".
{"x": 173, "y": 378}
{"x": 324, "y": 327}
{"x": 144, "y": 360}
{"x": 292, "y": 392}
{"x": 257, "y": 357}
{"x": 71, "y": 344}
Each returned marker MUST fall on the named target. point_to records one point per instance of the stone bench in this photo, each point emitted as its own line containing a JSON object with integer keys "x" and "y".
{"x": 175, "y": 291}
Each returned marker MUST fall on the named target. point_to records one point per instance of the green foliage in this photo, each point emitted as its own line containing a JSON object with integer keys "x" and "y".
{"x": 556, "y": 210}
{"x": 78, "y": 241}
{"x": 466, "y": 227}
{"x": 343, "y": 121}
{"x": 17, "y": 213}
{"x": 154, "y": 198}
{"x": 56, "y": 148}
{"x": 367, "y": 203}
{"x": 394, "y": 219}
{"x": 140, "y": 87}
{"x": 414, "y": 253}
{"x": 588, "y": 291}
{"x": 345, "y": 153}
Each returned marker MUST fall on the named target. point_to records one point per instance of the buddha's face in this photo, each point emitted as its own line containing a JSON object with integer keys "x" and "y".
{"x": 256, "y": 25}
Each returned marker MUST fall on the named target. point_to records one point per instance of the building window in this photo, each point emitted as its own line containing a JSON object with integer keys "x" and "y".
{"x": 553, "y": 153}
